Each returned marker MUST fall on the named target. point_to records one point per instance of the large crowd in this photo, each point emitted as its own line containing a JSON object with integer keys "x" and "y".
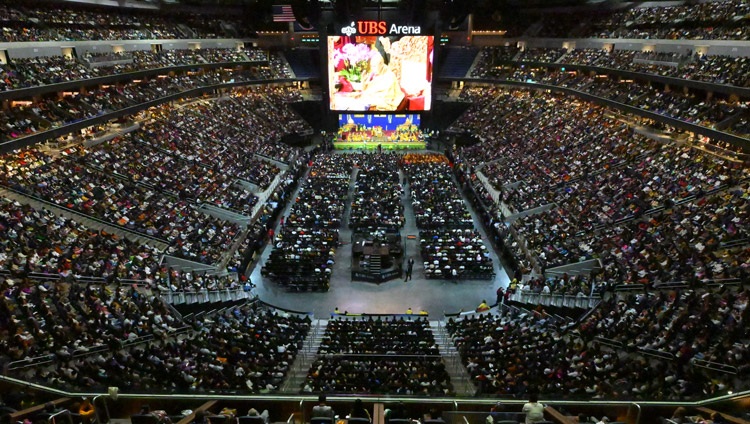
{"x": 304, "y": 247}
{"x": 610, "y": 194}
{"x": 651, "y": 347}
{"x": 450, "y": 245}
{"x": 716, "y": 69}
{"x": 183, "y": 157}
{"x": 376, "y": 200}
{"x": 44, "y": 70}
{"x": 378, "y": 355}
{"x": 95, "y": 336}
{"x": 36, "y": 241}
{"x": 712, "y": 20}
{"x": 648, "y": 211}
{"x": 52, "y": 22}
{"x": 650, "y": 188}
{"x": 49, "y": 112}
{"x": 62, "y": 320}
{"x": 689, "y": 325}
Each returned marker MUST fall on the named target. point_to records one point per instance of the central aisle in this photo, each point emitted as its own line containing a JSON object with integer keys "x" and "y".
{"x": 395, "y": 296}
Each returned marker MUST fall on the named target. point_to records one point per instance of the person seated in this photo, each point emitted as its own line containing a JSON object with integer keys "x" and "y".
{"x": 87, "y": 411}
{"x": 359, "y": 411}
{"x": 252, "y": 412}
{"x": 323, "y": 410}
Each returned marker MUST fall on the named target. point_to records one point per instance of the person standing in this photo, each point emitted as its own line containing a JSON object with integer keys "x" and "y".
{"x": 409, "y": 269}
{"x": 500, "y": 295}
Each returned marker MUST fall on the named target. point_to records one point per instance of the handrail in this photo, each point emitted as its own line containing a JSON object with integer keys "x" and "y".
{"x": 289, "y": 311}
{"x": 96, "y": 410}
{"x": 716, "y": 366}
{"x": 638, "y": 417}
{"x": 695, "y": 84}
{"x": 15, "y": 416}
{"x": 610, "y": 342}
{"x": 64, "y": 413}
{"x": 677, "y": 284}
{"x": 657, "y": 353}
{"x": 30, "y": 361}
{"x": 49, "y": 358}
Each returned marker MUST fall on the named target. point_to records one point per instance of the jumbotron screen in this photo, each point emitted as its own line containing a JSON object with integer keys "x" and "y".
{"x": 380, "y": 73}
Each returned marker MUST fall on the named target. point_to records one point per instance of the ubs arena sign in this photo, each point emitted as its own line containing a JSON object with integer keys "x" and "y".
{"x": 379, "y": 28}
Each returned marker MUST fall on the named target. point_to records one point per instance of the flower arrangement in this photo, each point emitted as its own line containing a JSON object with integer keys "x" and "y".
{"x": 353, "y": 61}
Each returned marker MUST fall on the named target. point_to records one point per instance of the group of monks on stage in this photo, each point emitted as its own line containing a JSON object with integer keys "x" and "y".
{"x": 406, "y": 132}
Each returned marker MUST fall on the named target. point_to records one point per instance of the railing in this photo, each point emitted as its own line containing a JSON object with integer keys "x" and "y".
{"x": 80, "y": 353}
{"x": 609, "y": 342}
{"x": 554, "y": 299}
{"x": 682, "y": 284}
{"x": 715, "y": 366}
{"x": 102, "y": 399}
{"x": 64, "y": 414}
{"x": 31, "y": 362}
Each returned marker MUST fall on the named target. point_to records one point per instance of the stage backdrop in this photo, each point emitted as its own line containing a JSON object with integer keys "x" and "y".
{"x": 389, "y": 122}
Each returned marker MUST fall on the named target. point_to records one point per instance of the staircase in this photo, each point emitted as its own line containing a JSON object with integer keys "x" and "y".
{"x": 460, "y": 378}
{"x": 375, "y": 265}
{"x": 297, "y": 374}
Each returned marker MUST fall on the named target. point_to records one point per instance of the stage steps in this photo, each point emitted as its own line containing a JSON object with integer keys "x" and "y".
{"x": 375, "y": 264}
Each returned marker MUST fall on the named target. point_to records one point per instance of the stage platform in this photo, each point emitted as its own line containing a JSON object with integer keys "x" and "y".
{"x": 373, "y": 145}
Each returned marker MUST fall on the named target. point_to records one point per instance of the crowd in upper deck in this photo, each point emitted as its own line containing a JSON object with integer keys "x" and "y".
{"x": 153, "y": 180}
{"x": 608, "y": 193}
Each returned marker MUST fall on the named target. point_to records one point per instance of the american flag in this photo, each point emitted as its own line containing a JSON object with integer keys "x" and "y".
{"x": 283, "y": 13}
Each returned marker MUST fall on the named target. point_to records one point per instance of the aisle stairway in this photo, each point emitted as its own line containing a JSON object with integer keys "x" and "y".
{"x": 460, "y": 378}
{"x": 297, "y": 374}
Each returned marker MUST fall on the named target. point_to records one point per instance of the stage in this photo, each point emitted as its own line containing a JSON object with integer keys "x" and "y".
{"x": 373, "y": 145}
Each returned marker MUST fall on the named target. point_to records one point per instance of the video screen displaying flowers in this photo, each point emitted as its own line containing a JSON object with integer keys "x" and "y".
{"x": 380, "y": 73}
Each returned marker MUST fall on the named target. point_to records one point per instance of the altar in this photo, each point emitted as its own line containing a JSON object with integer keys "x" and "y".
{"x": 377, "y": 254}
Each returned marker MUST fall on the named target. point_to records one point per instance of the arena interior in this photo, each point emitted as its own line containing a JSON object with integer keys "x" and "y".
{"x": 374, "y": 211}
